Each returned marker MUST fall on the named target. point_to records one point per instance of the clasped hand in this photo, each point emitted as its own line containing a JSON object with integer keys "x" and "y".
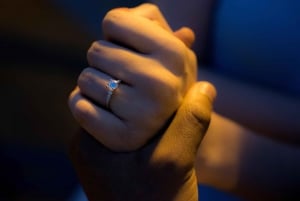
{"x": 155, "y": 66}
{"x": 123, "y": 156}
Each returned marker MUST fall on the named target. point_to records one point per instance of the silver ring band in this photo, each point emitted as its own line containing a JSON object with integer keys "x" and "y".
{"x": 111, "y": 86}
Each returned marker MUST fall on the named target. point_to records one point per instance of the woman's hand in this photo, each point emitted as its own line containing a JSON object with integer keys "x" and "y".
{"x": 156, "y": 68}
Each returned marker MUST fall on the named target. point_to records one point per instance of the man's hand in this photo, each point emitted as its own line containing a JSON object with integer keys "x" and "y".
{"x": 162, "y": 170}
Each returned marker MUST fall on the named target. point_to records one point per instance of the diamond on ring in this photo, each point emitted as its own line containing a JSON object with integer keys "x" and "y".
{"x": 111, "y": 85}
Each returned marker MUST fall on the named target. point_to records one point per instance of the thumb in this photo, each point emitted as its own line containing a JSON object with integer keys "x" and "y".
{"x": 186, "y": 35}
{"x": 191, "y": 121}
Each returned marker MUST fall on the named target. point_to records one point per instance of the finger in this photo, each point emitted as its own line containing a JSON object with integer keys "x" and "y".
{"x": 117, "y": 61}
{"x": 101, "y": 124}
{"x": 124, "y": 101}
{"x": 94, "y": 84}
{"x": 186, "y": 35}
{"x": 190, "y": 123}
{"x": 152, "y": 12}
{"x": 136, "y": 32}
{"x": 131, "y": 68}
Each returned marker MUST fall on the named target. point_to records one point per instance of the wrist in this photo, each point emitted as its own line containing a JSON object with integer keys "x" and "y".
{"x": 217, "y": 156}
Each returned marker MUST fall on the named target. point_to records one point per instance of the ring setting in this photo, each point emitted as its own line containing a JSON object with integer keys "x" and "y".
{"x": 111, "y": 86}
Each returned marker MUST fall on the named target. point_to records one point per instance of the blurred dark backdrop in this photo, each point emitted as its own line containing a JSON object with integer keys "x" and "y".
{"x": 43, "y": 45}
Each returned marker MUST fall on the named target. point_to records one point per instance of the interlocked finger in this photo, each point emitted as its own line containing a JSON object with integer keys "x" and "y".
{"x": 100, "y": 123}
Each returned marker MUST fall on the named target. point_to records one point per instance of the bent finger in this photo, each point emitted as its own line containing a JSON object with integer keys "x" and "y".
{"x": 98, "y": 122}
{"x": 94, "y": 84}
{"x": 186, "y": 35}
{"x": 152, "y": 12}
{"x": 117, "y": 61}
{"x": 136, "y": 32}
{"x": 124, "y": 101}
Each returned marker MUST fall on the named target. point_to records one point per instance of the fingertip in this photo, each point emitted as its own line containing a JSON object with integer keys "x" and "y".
{"x": 207, "y": 89}
{"x": 186, "y": 35}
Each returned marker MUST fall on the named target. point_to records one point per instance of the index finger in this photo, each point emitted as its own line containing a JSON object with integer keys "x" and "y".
{"x": 137, "y": 32}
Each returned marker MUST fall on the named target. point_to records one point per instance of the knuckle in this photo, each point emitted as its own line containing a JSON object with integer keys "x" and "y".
{"x": 152, "y": 8}
{"x": 111, "y": 18}
{"x": 85, "y": 78}
{"x": 93, "y": 50}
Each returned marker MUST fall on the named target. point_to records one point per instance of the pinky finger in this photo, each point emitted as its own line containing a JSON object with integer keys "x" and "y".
{"x": 104, "y": 126}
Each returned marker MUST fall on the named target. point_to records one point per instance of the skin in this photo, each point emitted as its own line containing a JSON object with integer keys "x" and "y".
{"x": 124, "y": 55}
{"x": 163, "y": 169}
{"x": 250, "y": 162}
{"x": 236, "y": 155}
{"x": 196, "y": 14}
